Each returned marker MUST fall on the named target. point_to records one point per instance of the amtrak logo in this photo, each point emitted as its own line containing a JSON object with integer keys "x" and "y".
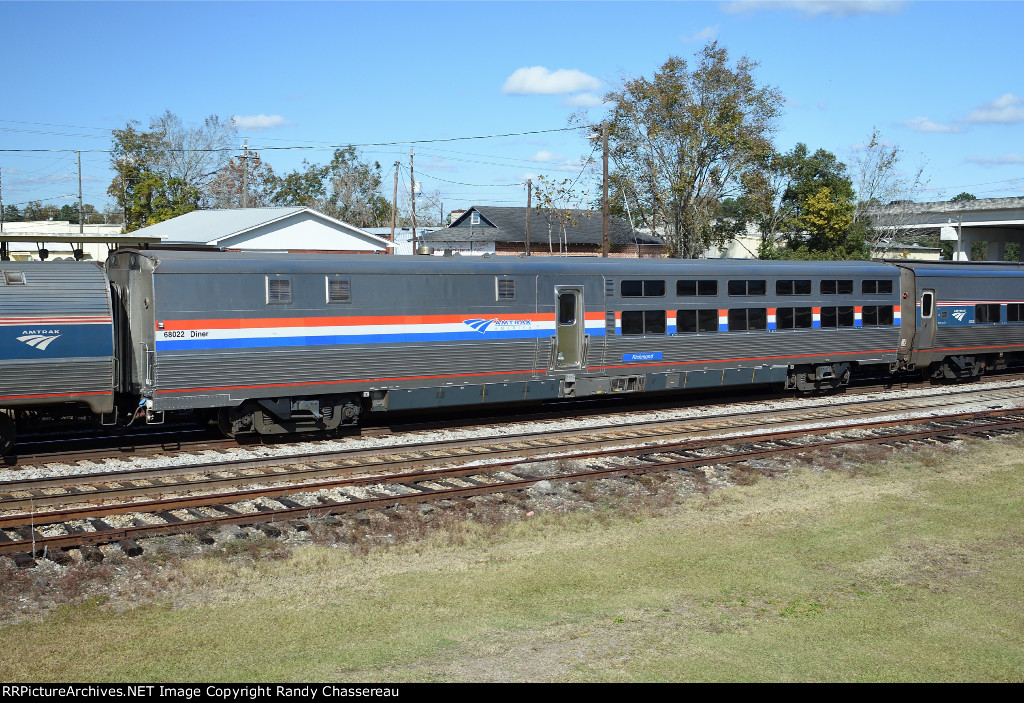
{"x": 960, "y": 315}
{"x": 479, "y": 325}
{"x": 483, "y": 326}
{"x": 40, "y": 339}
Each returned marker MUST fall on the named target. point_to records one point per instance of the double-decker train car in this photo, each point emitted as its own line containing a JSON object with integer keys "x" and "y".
{"x": 57, "y": 346}
{"x": 303, "y": 342}
{"x": 272, "y": 343}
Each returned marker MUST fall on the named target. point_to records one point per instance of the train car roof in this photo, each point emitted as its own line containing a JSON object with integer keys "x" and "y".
{"x": 963, "y": 269}
{"x": 171, "y": 261}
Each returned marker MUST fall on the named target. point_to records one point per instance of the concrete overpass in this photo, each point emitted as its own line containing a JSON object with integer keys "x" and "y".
{"x": 995, "y": 221}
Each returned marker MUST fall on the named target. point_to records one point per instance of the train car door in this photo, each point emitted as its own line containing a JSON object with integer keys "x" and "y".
{"x": 569, "y": 350}
{"x": 925, "y": 338}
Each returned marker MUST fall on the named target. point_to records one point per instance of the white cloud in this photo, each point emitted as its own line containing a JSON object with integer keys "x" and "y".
{"x": 702, "y": 35}
{"x": 257, "y": 123}
{"x": 584, "y": 100}
{"x": 923, "y": 124}
{"x": 545, "y": 156}
{"x": 1005, "y": 159}
{"x": 818, "y": 8}
{"x": 538, "y": 80}
{"x": 1007, "y": 109}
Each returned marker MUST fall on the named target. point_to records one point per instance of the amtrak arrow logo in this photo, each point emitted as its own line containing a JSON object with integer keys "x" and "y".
{"x": 479, "y": 325}
{"x": 959, "y": 315}
{"x": 39, "y": 341}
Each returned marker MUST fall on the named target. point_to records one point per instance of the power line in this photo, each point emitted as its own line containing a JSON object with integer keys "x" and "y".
{"x": 329, "y": 146}
{"x": 475, "y": 185}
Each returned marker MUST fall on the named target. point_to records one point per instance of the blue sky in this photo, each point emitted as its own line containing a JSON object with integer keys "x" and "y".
{"x": 942, "y": 80}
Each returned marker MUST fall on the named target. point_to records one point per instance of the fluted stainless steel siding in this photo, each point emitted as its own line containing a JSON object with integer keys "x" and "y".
{"x": 54, "y": 289}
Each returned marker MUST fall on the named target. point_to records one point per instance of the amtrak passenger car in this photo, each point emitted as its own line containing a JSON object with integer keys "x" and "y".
{"x": 270, "y": 343}
{"x": 56, "y": 340}
{"x": 288, "y": 343}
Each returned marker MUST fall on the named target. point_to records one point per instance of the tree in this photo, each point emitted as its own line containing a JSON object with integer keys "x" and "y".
{"x": 684, "y": 140}
{"x": 559, "y": 207}
{"x": 962, "y": 198}
{"x": 193, "y": 154}
{"x": 163, "y": 172}
{"x": 225, "y": 191}
{"x": 816, "y": 209}
{"x": 879, "y": 180}
{"x": 355, "y": 191}
{"x": 36, "y": 211}
{"x": 145, "y": 193}
{"x": 303, "y": 186}
{"x": 347, "y": 188}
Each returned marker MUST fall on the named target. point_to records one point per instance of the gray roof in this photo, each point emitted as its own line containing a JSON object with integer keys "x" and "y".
{"x": 213, "y": 226}
{"x": 508, "y": 224}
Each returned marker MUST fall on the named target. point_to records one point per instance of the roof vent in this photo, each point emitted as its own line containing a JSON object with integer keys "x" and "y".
{"x": 424, "y": 250}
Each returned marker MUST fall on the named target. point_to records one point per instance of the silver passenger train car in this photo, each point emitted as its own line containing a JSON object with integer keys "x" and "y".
{"x": 274, "y": 344}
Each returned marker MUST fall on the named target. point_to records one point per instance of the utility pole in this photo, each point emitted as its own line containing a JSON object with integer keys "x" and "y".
{"x": 604, "y": 204}
{"x": 4, "y": 254}
{"x": 81, "y": 215}
{"x": 529, "y": 197}
{"x": 246, "y": 155}
{"x": 412, "y": 197}
{"x": 394, "y": 206}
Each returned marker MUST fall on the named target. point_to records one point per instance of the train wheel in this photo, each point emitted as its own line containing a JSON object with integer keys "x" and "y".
{"x": 224, "y": 423}
{"x": 8, "y": 433}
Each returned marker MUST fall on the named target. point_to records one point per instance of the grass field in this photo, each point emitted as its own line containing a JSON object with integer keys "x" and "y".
{"x": 905, "y": 568}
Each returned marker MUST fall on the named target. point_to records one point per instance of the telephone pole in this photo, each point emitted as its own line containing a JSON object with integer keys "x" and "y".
{"x": 529, "y": 197}
{"x": 604, "y": 205}
{"x": 394, "y": 206}
{"x": 81, "y": 215}
{"x": 4, "y": 254}
{"x": 246, "y": 155}
{"x": 412, "y": 197}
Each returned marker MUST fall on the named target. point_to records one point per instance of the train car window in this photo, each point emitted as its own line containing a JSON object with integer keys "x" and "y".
{"x": 926, "y": 305}
{"x": 742, "y": 319}
{"x": 875, "y": 287}
{"x": 339, "y": 289}
{"x": 567, "y": 308}
{"x": 840, "y": 287}
{"x": 1014, "y": 312}
{"x": 642, "y": 289}
{"x": 748, "y": 287}
{"x": 638, "y": 322}
{"x": 987, "y": 313}
{"x": 876, "y": 315}
{"x": 688, "y": 288}
{"x": 506, "y": 288}
{"x": 696, "y": 321}
{"x": 793, "y": 318}
{"x": 793, "y": 287}
{"x": 841, "y": 316}
{"x": 279, "y": 290}
{"x": 14, "y": 278}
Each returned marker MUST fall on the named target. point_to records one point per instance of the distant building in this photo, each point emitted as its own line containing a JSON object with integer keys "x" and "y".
{"x": 983, "y": 226}
{"x": 502, "y": 230}
{"x": 284, "y": 229}
{"x": 58, "y": 239}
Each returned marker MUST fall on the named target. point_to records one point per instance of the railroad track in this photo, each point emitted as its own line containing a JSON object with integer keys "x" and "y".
{"x": 192, "y": 439}
{"x": 212, "y": 474}
{"x": 356, "y": 484}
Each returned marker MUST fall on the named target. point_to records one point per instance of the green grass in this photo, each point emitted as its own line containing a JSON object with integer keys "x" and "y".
{"x": 908, "y": 570}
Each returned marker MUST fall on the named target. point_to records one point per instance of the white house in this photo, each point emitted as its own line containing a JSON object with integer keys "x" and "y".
{"x": 284, "y": 229}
